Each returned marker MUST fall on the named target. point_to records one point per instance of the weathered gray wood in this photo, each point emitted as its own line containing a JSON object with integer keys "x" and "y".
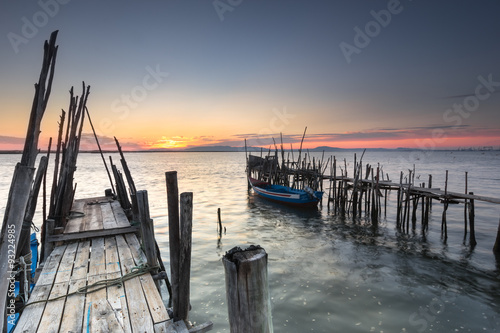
{"x": 116, "y": 294}
{"x": 72, "y": 320}
{"x": 30, "y": 319}
{"x": 121, "y": 218}
{"x": 155, "y": 303}
{"x": 140, "y": 317}
{"x": 49, "y": 232}
{"x": 186, "y": 228}
{"x": 51, "y": 318}
{"x": 108, "y": 218}
{"x": 92, "y": 234}
{"x": 147, "y": 228}
{"x": 173, "y": 233}
{"x": 77, "y": 223}
{"x": 51, "y": 265}
{"x": 11, "y": 228}
{"x": 247, "y": 290}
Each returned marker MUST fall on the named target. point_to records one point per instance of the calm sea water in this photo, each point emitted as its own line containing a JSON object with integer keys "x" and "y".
{"x": 328, "y": 273}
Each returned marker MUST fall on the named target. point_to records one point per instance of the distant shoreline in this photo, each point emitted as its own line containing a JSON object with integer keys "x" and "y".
{"x": 256, "y": 149}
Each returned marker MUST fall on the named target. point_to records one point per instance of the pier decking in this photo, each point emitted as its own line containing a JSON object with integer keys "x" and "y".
{"x": 96, "y": 247}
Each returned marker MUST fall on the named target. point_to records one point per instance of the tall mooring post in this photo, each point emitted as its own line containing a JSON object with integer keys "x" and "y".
{"x": 247, "y": 290}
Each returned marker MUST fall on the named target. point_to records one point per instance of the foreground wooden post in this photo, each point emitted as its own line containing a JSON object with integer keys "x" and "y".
{"x": 186, "y": 228}
{"x": 247, "y": 290}
{"x": 147, "y": 231}
{"x": 173, "y": 234}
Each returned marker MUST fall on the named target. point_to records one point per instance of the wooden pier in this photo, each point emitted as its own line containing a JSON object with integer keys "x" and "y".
{"x": 100, "y": 266}
{"x": 367, "y": 189}
{"x": 95, "y": 279}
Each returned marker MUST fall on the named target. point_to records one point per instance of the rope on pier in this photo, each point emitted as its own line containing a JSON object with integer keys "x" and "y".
{"x": 99, "y": 285}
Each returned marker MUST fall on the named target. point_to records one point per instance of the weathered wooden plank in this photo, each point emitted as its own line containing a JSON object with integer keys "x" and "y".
{"x": 116, "y": 294}
{"x": 103, "y": 318}
{"x": 121, "y": 218}
{"x": 92, "y": 234}
{"x": 72, "y": 319}
{"x": 108, "y": 218}
{"x": 50, "y": 268}
{"x": 94, "y": 219}
{"x": 76, "y": 223}
{"x": 97, "y": 264}
{"x": 51, "y": 318}
{"x": 66, "y": 266}
{"x": 80, "y": 266}
{"x": 91, "y": 316}
{"x": 140, "y": 317}
{"x": 135, "y": 249}
{"x": 29, "y": 320}
{"x": 118, "y": 302}
{"x": 155, "y": 303}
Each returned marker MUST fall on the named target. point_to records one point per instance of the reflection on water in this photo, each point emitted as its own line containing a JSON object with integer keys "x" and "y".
{"x": 327, "y": 273}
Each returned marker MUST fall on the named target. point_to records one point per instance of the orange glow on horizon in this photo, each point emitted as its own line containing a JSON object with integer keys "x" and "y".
{"x": 181, "y": 142}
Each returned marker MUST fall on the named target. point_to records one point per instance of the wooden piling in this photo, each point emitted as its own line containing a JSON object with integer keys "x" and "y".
{"x": 399, "y": 201}
{"x": 465, "y": 206}
{"x": 24, "y": 173}
{"x": 186, "y": 227}
{"x": 472, "y": 237}
{"x": 173, "y": 235}
{"x": 247, "y": 290}
{"x": 147, "y": 231}
{"x": 444, "y": 227}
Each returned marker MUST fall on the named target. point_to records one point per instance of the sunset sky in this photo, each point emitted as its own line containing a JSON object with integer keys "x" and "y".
{"x": 174, "y": 74}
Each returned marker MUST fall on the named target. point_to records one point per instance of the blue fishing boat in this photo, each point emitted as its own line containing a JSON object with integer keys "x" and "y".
{"x": 286, "y": 195}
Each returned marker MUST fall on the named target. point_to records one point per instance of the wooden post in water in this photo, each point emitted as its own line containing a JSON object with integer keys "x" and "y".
{"x": 399, "y": 201}
{"x": 443, "y": 222}
{"x": 247, "y": 290}
{"x": 173, "y": 235}
{"x": 472, "y": 237}
{"x": 465, "y": 207}
{"x": 428, "y": 204}
{"x": 186, "y": 228}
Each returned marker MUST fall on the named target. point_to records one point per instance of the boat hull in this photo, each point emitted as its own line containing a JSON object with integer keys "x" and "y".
{"x": 285, "y": 195}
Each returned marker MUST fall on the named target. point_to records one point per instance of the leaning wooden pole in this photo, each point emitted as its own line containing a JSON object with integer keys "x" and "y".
{"x": 100, "y": 151}
{"x": 23, "y": 174}
{"x": 247, "y": 290}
